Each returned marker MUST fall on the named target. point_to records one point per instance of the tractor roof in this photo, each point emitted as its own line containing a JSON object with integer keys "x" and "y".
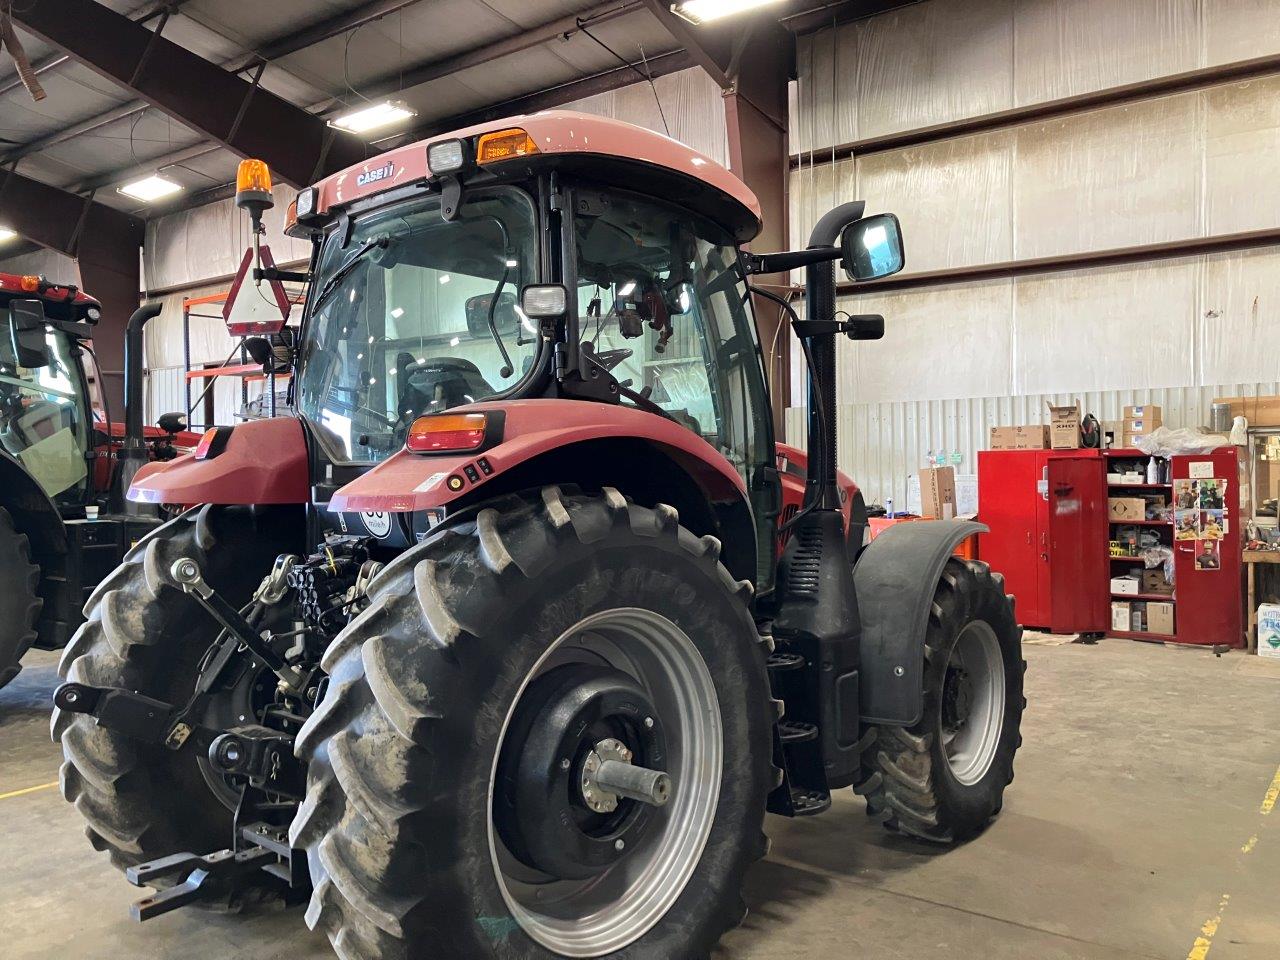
{"x": 28, "y": 285}
{"x": 588, "y": 145}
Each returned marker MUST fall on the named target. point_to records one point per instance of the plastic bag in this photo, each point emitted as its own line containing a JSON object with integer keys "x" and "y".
{"x": 1166, "y": 442}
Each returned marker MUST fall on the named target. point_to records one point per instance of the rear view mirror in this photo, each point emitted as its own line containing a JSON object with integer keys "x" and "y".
{"x": 27, "y": 329}
{"x": 871, "y": 248}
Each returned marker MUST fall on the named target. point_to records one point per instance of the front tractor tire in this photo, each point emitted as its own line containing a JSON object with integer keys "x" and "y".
{"x": 452, "y": 809}
{"x": 141, "y": 801}
{"x": 943, "y": 779}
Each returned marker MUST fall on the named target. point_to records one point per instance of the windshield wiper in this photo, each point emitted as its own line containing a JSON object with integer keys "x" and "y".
{"x": 330, "y": 285}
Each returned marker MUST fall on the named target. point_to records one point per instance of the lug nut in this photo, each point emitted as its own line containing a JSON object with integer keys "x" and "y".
{"x": 620, "y": 845}
{"x": 648, "y": 722}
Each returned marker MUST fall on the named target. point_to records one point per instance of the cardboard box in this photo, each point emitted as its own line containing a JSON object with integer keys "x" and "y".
{"x": 1120, "y": 615}
{"x": 1269, "y": 630}
{"x": 1139, "y": 428}
{"x": 1153, "y": 581}
{"x": 1034, "y": 437}
{"x": 938, "y": 493}
{"x": 1160, "y": 618}
{"x": 1138, "y": 617}
{"x": 1064, "y": 427}
{"x": 1126, "y": 508}
{"x": 1146, "y": 410}
{"x": 1259, "y": 411}
{"x": 1129, "y": 586}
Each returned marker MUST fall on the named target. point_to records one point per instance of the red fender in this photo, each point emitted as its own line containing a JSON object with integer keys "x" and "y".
{"x": 265, "y": 461}
{"x": 412, "y": 481}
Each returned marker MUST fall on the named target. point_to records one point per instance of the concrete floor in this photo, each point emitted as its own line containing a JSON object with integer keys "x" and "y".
{"x": 1135, "y": 827}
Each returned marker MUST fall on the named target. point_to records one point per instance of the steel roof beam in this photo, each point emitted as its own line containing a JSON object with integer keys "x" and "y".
{"x": 243, "y": 117}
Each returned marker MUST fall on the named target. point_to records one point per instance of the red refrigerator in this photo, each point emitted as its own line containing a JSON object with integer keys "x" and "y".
{"x": 1047, "y": 511}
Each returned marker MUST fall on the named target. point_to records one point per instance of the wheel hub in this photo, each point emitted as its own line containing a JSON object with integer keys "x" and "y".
{"x": 571, "y": 802}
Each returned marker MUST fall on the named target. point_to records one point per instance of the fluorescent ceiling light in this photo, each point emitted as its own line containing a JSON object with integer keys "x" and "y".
{"x": 373, "y": 117}
{"x": 150, "y": 188}
{"x": 6, "y": 234}
{"x": 704, "y": 11}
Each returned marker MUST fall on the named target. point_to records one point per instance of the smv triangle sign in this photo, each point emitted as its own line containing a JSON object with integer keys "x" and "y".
{"x": 255, "y": 309}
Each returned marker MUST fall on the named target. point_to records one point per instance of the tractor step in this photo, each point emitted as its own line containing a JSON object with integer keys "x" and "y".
{"x": 809, "y": 803}
{"x": 783, "y": 662}
{"x": 796, "y": 731}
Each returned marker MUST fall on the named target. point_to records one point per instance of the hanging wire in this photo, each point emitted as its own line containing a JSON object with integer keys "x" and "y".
{"x": 645, "y": 74}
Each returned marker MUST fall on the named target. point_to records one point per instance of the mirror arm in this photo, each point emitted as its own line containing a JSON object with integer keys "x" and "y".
{"x": 287, "y": 276}
{"x": 758, "y": 263}
{"x": 863, "y": 326}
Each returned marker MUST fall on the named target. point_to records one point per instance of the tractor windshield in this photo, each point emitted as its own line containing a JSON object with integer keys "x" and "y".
{"x": 415, "y": 314}
{"x": 44, "y": 412}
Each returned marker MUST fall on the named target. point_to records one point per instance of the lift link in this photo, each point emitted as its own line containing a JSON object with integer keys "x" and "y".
{"x": 187, "y": 574}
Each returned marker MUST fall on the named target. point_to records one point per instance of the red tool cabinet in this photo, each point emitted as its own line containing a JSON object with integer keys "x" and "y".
{"x": 1047, "y": 510}
{"x": 1050, "y": 538}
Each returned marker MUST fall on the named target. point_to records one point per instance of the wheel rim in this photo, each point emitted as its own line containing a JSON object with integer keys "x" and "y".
{"x": 973, "y": 702}
{"x": 609, "y": 911}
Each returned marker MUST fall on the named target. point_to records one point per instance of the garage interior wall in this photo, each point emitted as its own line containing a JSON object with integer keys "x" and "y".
{"x": 195, "y": 252}
{"x": 959, "y": 358}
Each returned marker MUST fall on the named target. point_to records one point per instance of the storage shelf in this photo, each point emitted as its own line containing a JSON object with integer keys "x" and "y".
{"x": 1134, "y": 559}
{"x": 246, "y": 371}
{"x": 1158, "y": 597}
{"x": 1141, "y": 635}
{"x": 1143, "y": 523}
{"x": 1144, "y": 486}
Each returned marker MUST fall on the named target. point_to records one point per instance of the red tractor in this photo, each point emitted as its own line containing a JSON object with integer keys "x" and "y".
{"x": 59, "y": 464}
{"x": 491, "y": 647}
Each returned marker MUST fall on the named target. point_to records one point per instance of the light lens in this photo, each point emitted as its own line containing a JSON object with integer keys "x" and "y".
{"x": 253, "y": 176}
{"x": 306, "y": 202}
{"x": 148, "y": 189}
{"x": 546, "y": 300}
{"x": 504, "y": 145}
{"x": 29, "y": 283}
{"x": 703, "y": 11}
{"x": 202, "y": 448}
{"x": 446, "y": 157}
{"x": 440, "y": 432}
{"x": 6, "y": 234}
{"x": 374, "y": 117}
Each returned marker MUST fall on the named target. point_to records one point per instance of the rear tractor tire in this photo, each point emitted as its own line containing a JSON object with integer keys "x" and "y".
{"x": 19, "y": 599}
{"x": 943, "y": 779}
{"x": 452, "y": 808}
{"x": 142, "y": 801}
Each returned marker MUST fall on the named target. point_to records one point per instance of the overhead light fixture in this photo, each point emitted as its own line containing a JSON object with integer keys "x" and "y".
{"x": 704, "y": 11}
{"x": 373, "y": 117}
{"x": 6, "y": 234}
{"x": 149, "y": 189}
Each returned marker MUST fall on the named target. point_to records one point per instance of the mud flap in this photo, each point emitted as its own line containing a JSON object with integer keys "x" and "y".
{"x": 895, "y": 579}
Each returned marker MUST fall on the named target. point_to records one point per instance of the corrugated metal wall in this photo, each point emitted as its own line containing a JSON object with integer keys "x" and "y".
{"x": 881, "y": 445}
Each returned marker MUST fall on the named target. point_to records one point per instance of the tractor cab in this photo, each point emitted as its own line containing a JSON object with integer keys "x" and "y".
{"x": 46, "y": 423}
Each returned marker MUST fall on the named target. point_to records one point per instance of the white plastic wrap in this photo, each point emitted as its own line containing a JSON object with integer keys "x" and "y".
{"x": 1169, "y": 442}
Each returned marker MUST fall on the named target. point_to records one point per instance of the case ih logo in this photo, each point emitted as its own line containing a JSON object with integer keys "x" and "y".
{"x": 373, "y": 176}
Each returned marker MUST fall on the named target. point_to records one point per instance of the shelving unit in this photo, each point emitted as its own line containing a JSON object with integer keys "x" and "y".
{"x": 1119, "y": 489}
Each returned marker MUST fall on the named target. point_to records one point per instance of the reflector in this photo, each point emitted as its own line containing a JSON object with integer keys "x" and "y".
{"x": 504, "y": 145}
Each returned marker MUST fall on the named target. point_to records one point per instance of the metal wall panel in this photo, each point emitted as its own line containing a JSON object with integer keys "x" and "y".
{"x": 882, "y": 445}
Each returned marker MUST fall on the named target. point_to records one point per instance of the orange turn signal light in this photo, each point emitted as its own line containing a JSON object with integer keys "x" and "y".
{"x": 444, "y": 432}
{"x": 30, "y": 284}
{"x": 504, "y": 145}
